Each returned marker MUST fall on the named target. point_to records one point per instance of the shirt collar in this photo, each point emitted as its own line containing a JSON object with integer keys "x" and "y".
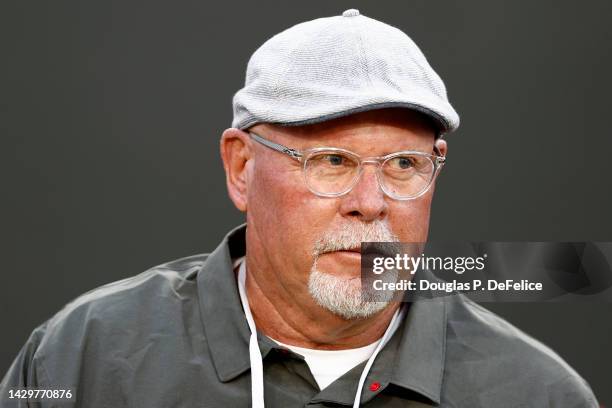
{"x": 418, "y": 345}
{"x": 225, "y": 325}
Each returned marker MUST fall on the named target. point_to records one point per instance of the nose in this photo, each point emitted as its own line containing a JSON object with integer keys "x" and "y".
{"x": 366, "y": 201}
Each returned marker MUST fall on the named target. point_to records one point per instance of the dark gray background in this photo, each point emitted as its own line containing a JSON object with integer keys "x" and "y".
{"x": 112, "y": 112}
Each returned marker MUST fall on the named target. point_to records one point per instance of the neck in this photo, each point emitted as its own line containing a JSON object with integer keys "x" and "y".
{"x": 311, "y": 326}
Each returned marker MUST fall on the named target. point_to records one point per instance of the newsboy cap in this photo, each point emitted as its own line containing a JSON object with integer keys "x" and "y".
{"x": 336, "y": 66}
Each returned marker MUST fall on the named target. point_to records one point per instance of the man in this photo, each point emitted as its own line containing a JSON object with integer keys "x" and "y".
{"x": 335, "y": 141}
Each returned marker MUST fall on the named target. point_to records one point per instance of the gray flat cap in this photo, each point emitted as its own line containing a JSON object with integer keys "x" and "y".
{"x": 336, "y": 66}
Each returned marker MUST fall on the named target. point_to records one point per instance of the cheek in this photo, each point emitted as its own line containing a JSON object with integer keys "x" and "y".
{"x": 410, "y": 220}
{"x": 286, "y": 211}
{"x": 273, "y": 192}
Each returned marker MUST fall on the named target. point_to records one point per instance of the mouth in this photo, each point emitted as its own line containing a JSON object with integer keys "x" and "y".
{"x": 356, "y": 249}
{"x": 348, "y": 252}
{"x": 343, "y": 263}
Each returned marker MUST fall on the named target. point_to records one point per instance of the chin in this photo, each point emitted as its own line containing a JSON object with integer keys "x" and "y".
{"x": 342, "y": 296}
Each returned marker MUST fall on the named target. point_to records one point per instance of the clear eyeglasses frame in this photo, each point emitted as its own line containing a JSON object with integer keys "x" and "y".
{"x": 333, "y": 172}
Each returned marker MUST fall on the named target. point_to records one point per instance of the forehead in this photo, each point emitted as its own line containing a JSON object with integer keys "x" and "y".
{"x": 382, "y": 129}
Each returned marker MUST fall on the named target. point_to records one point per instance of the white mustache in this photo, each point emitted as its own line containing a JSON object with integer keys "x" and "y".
{"x": 350, "y": 236}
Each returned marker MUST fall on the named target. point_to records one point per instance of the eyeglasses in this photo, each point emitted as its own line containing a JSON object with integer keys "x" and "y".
{"x": 333, "y": 172}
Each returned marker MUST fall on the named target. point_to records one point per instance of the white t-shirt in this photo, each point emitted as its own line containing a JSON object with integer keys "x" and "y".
{"x": 329, "y": 365}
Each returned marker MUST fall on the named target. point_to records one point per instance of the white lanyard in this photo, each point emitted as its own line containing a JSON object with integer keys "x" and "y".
{"x": 257, "y": 386}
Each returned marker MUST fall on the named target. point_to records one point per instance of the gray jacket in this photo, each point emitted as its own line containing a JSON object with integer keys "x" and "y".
{"x": 176, "y": 336}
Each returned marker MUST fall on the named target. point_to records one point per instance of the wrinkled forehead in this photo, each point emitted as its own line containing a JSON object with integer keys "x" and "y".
{"x": 391, "y": 126}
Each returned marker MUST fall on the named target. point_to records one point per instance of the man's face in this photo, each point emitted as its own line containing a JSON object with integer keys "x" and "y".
{"x": 290, "y": 229}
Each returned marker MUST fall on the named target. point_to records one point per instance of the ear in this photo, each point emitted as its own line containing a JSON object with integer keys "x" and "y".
{"x": 235, "y": 153}
{"x": 442, "y": 146}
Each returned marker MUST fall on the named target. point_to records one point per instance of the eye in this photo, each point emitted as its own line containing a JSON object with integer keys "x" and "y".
{"x": 334, "y": 159}
{"x": 403, "y": 162}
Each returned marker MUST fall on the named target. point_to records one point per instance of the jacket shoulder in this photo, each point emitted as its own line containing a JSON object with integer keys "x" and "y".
{"x": 501, "y": 358}
{"x": 110, "y": 317}
{"x": 166, "y": 280}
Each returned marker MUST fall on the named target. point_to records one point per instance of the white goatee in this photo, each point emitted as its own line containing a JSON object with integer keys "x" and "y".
{"x": 343, "y": 296}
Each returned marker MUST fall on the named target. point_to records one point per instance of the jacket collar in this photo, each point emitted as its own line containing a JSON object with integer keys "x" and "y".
{"x": 419, "y": 365}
